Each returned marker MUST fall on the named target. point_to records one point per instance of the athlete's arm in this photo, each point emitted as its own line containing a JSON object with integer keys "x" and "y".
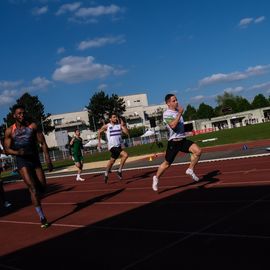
{"x": 100, "y": 131}
{"x": 124, "y": 127}
{"x": 173, "y": 124}
{"x": 8, "y": 143}
{"x": 41, "y": 140}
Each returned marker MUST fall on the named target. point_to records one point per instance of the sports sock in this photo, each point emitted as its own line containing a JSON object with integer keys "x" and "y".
{"x": 40, "y": 212}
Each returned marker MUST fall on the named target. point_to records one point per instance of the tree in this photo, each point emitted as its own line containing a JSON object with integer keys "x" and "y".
{"x": 260, "y": 101}
{"x": 101, "y": 105}
{"x": 227, "y": 103}
{"x": 205, "y": 111}
{"x": 35, "y": 113}
{"x": 242, "y": 104}
{"x": 190, "y": 113}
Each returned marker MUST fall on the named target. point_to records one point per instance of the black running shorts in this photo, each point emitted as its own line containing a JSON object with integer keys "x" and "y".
{"x": 174, "y": 147}
{"x": 115, "y": 152}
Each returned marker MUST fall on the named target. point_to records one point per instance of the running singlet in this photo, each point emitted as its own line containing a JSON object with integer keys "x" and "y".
{"x": 114, "y": 135}
{"x": 178, "y": 132}
{"x": 23, "y": 138}
{"x": 77, "y": 147}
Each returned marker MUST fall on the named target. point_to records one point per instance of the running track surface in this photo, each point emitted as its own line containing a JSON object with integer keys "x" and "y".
{"x": 222, "y": 222}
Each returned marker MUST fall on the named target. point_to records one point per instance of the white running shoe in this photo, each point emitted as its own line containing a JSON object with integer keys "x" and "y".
{"x": 155, "y": 183}
{"x": 80, "y": 179}
{"x": 7, "y": 204}
{"x": 192, "y": 174}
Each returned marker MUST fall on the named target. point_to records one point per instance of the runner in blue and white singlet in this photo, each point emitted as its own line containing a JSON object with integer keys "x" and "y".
{"x": 114, "y": 135}
{"x": 113, "y": 131}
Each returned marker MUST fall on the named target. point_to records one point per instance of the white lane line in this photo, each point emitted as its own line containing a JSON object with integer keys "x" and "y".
{"x": 156, "y": 166}
{"x": 36, "y": 223}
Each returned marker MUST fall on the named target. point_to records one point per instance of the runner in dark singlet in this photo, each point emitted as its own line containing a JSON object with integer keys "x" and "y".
{"x": 21, "y": 140}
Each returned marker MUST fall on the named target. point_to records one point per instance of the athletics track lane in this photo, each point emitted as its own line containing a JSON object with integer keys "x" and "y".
{"x": 221, "y": 222}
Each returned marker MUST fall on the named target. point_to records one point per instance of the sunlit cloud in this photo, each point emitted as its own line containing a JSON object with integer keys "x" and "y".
{"x": 78, "y": 69}
{"x": 100, "y": 42}
{"x": 40, "y": 11}
{"x": 245, "y": 22}
{"x": 234, "y": 76}
{"x": 68, "y": 8}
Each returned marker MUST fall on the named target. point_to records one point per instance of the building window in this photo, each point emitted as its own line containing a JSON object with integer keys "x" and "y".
{"x": 58, "y": 121}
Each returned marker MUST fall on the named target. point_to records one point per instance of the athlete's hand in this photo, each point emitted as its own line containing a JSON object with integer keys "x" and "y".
{"x": 180, "y": 109}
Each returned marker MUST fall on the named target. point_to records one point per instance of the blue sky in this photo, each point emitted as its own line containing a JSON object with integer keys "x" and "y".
{"x": 65, "y": 51}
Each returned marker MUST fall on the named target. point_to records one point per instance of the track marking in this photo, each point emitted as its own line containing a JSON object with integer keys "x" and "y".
{"x": 156, "y": 166}
{"x": 36, "y": 223}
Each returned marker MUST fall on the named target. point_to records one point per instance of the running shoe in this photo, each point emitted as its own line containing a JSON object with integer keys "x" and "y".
{"x": 155, "y": 183}
{"x": 44, "y": 223}
{"x": 80, "y": 179}
{"x": 191, "y": 173}
{"x": 7, "y": 204}
{"x": 119, "y": 174}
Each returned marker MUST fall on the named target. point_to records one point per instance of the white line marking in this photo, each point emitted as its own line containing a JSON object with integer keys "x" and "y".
{"x": 156, "y": 166}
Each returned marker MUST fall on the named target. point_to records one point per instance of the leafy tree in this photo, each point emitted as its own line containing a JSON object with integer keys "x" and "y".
{"x": 227, "y": 102}
{"x": 260, "y": 101}
{"x": 190, "y": 113}
{"x": 35, "y": 113}
{"x": 101, "y": 105}
{"x": 205, "y": 111}
{"x": 242, "y": 104}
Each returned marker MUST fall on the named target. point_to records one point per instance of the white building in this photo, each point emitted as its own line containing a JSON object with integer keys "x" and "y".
{"x": 65, "y": 125}
{"x": 139, "y": 113}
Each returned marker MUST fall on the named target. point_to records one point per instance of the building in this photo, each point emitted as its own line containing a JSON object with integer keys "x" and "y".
{"x": 231, "y": 120}
{"x": 65, "y": 124}
{"x": 140, "y": 113}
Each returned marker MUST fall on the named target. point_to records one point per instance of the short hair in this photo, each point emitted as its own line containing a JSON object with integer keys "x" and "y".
{"x": 76, "y": 129}
{"x": 168, "y": 97}
{"x": 17, "y": 106}
{"x": 111, "y": 114}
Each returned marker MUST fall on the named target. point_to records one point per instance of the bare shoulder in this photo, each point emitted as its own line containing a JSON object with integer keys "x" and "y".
{"x": 33, "y": 126}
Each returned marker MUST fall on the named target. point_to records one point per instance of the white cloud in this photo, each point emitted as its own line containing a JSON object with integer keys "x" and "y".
{"x": 260, "y": 19}
{"x": 61, "y": 50}
{"x": 8, "y": 85}
{"x": 99, "y": 42}
{"x": 97, "y": 11}
{"x": 77, "y": 69}
{"x": 68, "y": 8}
{"x": 245, "y": 22}
{"x": 102, "y": 86}
{"x": 39, "y": 11}
{"x": 39, "y": 83}
{"x": 8, "y": 97}
{"x": 262, "y": 86}
{"x": 234, "y": 90}
{"x": 234, "y": 76}
{"x": 197, "y": 98}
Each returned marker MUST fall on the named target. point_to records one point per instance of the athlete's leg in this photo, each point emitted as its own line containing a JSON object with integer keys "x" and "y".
{"x": 196, "y": 152}
{"x": 124, "y": 157}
